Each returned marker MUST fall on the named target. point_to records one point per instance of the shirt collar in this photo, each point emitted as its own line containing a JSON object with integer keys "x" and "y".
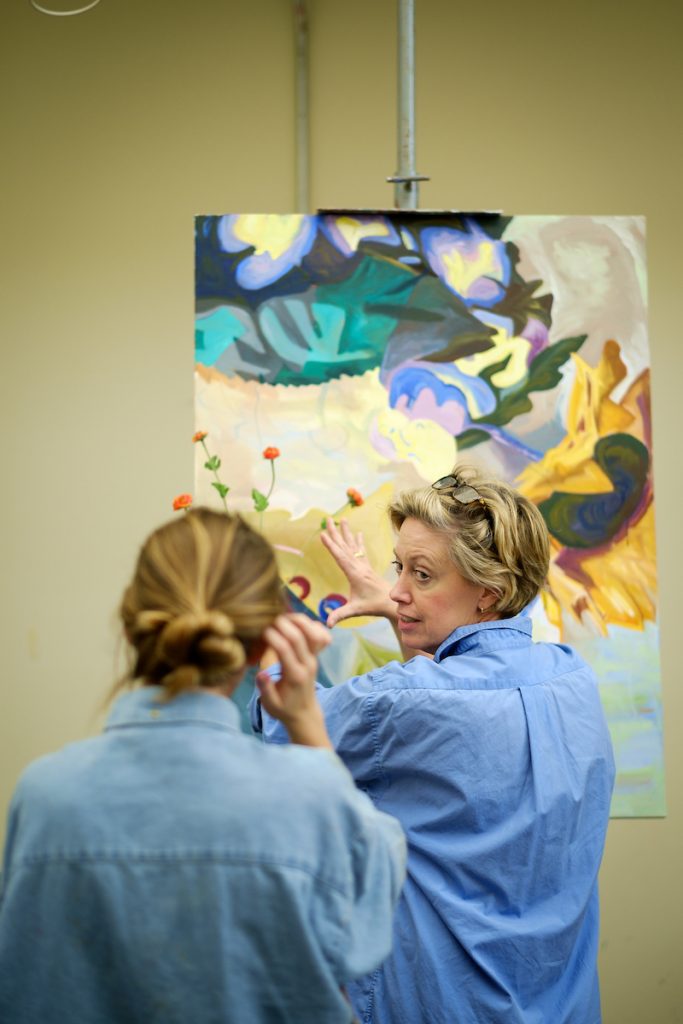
{"x": 485, "y": 634}
{"x": 146, "y": 706}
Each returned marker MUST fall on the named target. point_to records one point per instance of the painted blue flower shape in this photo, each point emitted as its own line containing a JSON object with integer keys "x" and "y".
{"x": 277, "y": 243}
{"x": 473, "y": 265}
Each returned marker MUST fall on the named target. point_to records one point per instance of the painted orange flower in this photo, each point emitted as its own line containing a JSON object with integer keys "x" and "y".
{"x": 271, "y": 453}
{"x": 199, "y": 436}
{"x": 355, "y": 497}
{"x": 183, "y": 501}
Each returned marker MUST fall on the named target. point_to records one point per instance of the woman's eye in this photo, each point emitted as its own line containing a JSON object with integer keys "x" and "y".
{"x": 397, "y": 566}
{"x": 421, "y": 576}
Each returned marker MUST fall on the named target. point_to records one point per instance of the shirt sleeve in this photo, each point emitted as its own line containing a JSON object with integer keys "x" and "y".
{"x": 360, "y": 934}
{"x": 349, "y": 710}
{"x": 262, "y": 723}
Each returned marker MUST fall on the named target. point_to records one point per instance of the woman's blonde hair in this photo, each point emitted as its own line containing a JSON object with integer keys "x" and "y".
{"x": 204, "y": 589}
{"x": 500, "y": 542}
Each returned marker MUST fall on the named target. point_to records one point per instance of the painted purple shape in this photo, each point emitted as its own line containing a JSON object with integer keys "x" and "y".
{"x": 536, "y": 333}
{"x": 487, "y": 289}
{"x": 259, "y": 270}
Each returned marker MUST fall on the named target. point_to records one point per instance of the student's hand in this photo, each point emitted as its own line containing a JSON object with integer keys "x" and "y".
{"x": 369, "y": 592}
{"x": 296, "y": 641}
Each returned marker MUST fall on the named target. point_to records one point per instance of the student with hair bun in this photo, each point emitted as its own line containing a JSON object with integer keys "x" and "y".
{"x": 172, "y": 869}
{"x": 493, "y": 753}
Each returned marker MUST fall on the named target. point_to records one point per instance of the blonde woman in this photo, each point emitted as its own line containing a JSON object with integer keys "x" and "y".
{"x": 174, "y": 870}
{"x": 493, "y": 753}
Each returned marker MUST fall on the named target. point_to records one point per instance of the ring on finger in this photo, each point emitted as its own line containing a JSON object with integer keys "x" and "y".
{"x": 359, "y": 554}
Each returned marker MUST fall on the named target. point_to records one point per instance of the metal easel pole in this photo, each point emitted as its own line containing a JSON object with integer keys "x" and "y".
{"x": 406, "y": 188}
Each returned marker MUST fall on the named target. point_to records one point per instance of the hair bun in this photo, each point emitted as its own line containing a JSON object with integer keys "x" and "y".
{"x": 148, "y": 622}
{"x": 205, "y": 641}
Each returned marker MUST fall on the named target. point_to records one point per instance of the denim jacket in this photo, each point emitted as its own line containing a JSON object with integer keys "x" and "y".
{"x": 174, "y": 870}
{"x": 496, "y": 759}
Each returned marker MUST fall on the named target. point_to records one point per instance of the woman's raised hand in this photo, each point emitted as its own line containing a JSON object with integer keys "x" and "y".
{"x": 295, "y": 640}
{"x": 369, "y": 592}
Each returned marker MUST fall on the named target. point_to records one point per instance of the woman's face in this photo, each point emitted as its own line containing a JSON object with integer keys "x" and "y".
{"x": 433, "y": 598}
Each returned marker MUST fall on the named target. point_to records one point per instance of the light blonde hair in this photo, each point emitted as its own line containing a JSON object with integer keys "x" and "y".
{"x": 502, "y": 544}
{"x": 204, "y": 589}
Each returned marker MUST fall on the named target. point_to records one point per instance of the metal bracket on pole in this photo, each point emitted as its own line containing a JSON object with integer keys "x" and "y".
{"x": 406, "y": 192}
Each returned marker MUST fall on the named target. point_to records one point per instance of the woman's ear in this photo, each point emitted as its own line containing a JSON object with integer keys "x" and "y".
{"x": 486, "y": 601}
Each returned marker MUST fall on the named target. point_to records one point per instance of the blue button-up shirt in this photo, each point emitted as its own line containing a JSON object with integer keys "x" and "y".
{"x": 496, "y": 759}
{"x": 173, "y": 870}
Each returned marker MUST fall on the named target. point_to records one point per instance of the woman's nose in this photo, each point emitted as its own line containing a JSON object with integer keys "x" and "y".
{"x": 398, "y": 592}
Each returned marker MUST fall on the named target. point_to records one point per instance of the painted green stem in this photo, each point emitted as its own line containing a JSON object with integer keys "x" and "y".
{"x": 215, "y": 473}
{"x": 272, "y": 478}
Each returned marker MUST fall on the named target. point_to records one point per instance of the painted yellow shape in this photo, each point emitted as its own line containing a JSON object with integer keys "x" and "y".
{"x": 300, "y": 551}
{"x": 593, "y": 386}
{"x": 624, "y": 578}
{"x": 613, "y": 418}
{"x": 504, "y": 344}
{"x": 591, "y": 414}
{"x": 567, "y": 595}
{"x": 268, "y": 232}
{"x": 424, "y": 443}
{"x": 552, "y": 608}
{"x": 461, "y": 272}
{"x": 353, "y": 231}
{"x": 618, "y": 585}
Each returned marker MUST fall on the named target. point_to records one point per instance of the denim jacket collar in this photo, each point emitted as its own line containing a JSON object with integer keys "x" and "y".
{"x": 486, "y": 635}
{"x": 146, "y": 706}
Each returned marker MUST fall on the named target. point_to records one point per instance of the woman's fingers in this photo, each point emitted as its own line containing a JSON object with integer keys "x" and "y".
{"x": 342, "y": 534}
{"x": 340, "y": 554}
{"x": 369, "y": 592}
{"x": 346, "y": 548}
{"x": 345, "y": 611}
{"x": 289, "y": 642}
{"x": 297, "y": 639}
{"x": 332, "y": 546}
{"x": 316, "y": 635}
{"x": 352, "y": 542}
{"x": 333, "y": 540}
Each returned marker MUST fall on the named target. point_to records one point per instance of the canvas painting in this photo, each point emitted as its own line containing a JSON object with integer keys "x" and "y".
{"x": 344, "y": 356}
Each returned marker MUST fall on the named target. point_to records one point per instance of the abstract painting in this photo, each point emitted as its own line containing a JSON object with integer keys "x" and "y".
{"x": 371, "y": 349}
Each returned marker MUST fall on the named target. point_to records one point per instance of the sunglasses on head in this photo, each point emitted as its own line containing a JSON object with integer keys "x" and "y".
{"x": 462, "y": 494}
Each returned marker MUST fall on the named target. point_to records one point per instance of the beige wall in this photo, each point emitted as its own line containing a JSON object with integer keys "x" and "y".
{"x": 119, "y": 126}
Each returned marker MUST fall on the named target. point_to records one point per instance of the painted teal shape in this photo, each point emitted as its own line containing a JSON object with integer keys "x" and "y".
{"x": 589, "y": 520}
{"x": 299, "y": 333}
{"x": 339, "y": 332}
{"x": 214, "y": 333}
{"x": 375, "y": 282}
{"x": 307, "y": 341}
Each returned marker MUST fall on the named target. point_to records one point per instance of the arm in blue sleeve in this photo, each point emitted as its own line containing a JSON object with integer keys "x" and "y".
{"x": 263, "y": 724}
{"x": 358, "y": 931}
{"x": 349, "y": 710}
{"x": 379, "y": 860}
